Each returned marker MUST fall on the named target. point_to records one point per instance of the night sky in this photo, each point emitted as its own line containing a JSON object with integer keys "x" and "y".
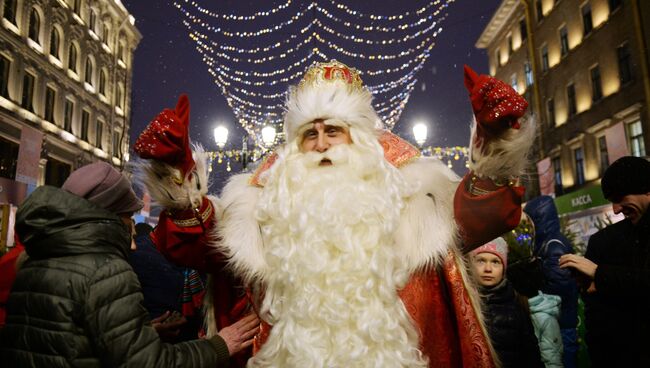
{"x": 167, "y": 64}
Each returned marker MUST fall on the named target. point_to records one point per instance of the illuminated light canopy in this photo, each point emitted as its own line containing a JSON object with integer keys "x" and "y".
{"x": 253, "y": 59}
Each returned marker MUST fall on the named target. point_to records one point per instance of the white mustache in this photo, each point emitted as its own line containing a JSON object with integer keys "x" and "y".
{"x": 338, "y": 155}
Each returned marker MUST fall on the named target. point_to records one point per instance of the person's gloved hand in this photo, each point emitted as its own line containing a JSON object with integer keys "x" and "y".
{"x": 497, "y": 106}
{"x": 166, "y": 138}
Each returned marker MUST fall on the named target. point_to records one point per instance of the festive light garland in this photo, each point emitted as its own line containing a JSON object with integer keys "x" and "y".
{"x": 253, "y": 63}
{"x": 445, "y": 154}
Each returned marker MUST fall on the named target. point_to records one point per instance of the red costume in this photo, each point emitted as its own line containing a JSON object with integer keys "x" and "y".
{"x": 441, "y": 219}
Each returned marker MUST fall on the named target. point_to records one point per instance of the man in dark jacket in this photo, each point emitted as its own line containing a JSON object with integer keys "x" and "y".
{"x": 549, "y": 246}
{"x": 76, "y": 301}
{"x": 617, "y": 269}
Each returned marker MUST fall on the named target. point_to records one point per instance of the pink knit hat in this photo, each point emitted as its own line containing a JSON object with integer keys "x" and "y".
{"x": 101, "y": 184}
{"x": 498, "y": 247}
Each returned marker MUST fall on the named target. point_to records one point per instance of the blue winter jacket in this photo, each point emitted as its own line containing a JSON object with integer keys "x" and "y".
{"x": 544, "y": 311}
{"x": 557, "y": 281}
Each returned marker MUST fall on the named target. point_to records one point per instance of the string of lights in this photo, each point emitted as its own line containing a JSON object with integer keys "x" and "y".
{"x": 254, "y": 58}
{"x": 224, "y": 157}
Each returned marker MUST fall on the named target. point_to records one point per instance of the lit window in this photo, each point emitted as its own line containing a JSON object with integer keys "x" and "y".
{"x": 88, "y": 78}
{"x": 28, "y": 92}
{"x": 116, "y": 145}
{"x": 550, "y": 110}
{"x": 99, "y": 132}
{"x": 564, "y": 41}
{"x": 604, "y": 155}
{"x": 67, "y": 117}
{"x": 635, "y": 139}
{"x": 624, "y": 63}
{"x": 9, "y": 12}
{"x": 50, "y": 99}
{"x": 571, "y": 99}
{"x": 102, "y": 83}
{"x": 34, "y": 26}
{"x": 579, "y": 159}
{"x": 5, "y": 67}
{"x": 85, "y": 121}
{"x": 596, "y": 85}
{"x": 55, "y": 42}
{"x": 557, "y": 174}
{"x": 587, "y": 23}
{"x": 528, "y": 72}
{"x": 545, "y": 58}
{"x": 72, "y": 58}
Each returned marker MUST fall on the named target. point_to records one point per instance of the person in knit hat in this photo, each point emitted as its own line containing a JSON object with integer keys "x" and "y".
{"x": 76, "y": 299}
{"x": 615, "y": 271}
{"x": 507, "y": 316}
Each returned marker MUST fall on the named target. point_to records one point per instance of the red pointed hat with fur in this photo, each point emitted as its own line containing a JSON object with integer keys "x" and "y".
{"x": 166, "y": 138}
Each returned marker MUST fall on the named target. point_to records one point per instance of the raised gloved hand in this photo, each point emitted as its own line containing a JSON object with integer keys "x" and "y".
{"x": 497, "y": 106}
{"x": 166, "y": 139}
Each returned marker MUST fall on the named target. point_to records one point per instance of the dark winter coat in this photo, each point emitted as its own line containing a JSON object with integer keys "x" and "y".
{"x": 510, "y": 327}
{"x": 76, "y": 301}
{"x": 618, "y": 313}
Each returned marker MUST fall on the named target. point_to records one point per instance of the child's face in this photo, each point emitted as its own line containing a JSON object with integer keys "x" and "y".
{"x": 488, "y": 269}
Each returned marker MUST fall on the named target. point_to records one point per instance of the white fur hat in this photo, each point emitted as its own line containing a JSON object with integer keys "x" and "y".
{"x": 330, "y": 90}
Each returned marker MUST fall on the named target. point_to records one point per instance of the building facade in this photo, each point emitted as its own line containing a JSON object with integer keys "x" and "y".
{"x": 583, "y": 64}
{"x": 65, "y": 82}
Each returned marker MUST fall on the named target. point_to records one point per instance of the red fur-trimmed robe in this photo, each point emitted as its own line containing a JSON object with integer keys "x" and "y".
{"x": 439, "y": 296}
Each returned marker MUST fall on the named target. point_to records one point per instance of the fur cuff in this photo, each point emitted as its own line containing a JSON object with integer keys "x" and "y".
{"x": 161, "y": 181}
{"x": 239, "y": 230}
{"x": 503, "y": 157}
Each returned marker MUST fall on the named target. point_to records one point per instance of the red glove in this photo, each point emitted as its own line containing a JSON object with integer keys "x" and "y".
{"x": 496, "y": 105}
{"x": 166, "y": 138}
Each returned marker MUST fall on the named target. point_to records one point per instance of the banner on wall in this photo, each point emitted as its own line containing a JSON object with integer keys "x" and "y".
{"x": 616, "y": 142}
{"x": 546, "y": 177}
{"x": 29, "y": 155}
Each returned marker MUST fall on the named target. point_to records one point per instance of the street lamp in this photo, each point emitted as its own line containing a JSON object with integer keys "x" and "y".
{"x": 420, "y": 133}
{"x": 268, "y": 136}
{"x": 221, "y": 136}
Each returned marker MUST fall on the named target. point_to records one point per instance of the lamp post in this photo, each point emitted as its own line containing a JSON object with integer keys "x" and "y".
{"x": 221, "y": 136}
{"x": 243, "y": 155}
{"x": 268, "y": 136}
{"x": 420, "y": 133}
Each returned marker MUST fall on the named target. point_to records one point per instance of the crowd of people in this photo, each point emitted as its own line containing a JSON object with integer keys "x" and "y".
{"x": 344, "y": 248}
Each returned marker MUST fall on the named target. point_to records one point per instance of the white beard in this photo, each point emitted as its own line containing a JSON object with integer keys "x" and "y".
{"x": 333, "y": 270}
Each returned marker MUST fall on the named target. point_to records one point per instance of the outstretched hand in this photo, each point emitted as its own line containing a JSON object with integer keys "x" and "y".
{"x": 581, "y": 264}
{"x": 240, "y": 334}
{"x": 497, "y": 106}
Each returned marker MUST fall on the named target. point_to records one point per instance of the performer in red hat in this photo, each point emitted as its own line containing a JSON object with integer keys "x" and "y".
{"x": 350, "y": 242}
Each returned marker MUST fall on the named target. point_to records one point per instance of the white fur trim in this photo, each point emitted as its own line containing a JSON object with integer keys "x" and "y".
{"x": 427, "y": 228}
{"x": 157, "y": 177}
{"x": 328, "y": 101}
{"x": 239, "y": 230}
{"x": 506, "y": 156}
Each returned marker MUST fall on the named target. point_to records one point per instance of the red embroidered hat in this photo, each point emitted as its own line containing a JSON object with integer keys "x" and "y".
{"x": 166, "y": 138}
